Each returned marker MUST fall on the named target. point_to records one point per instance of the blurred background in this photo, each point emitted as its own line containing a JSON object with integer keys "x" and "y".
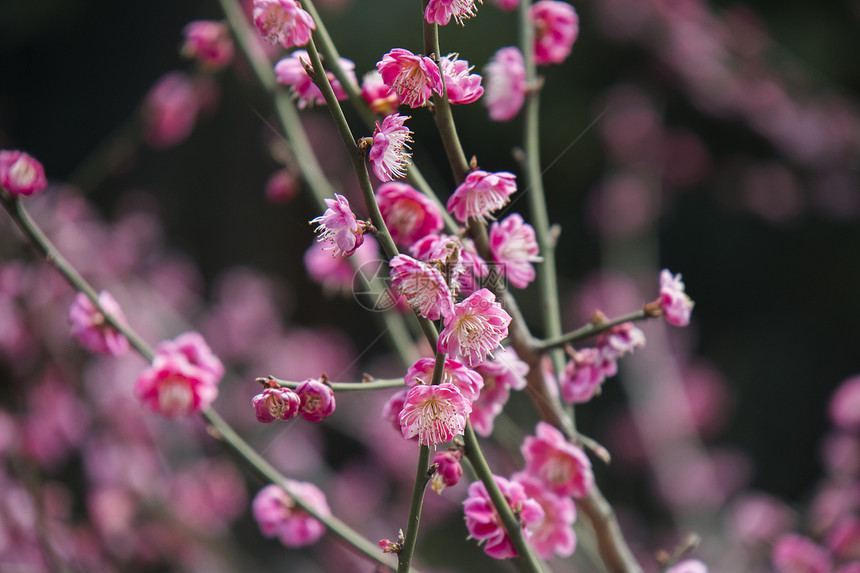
{"x": 719, "y": 140}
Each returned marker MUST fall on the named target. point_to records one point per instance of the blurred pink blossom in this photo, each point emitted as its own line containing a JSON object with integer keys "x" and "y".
{"x": 506, "y": 84}
{"x": 484, "y": 523}
{"x": 560, "y": 465}
{"x": 279, "y": 516}
{"x": 553, "y": 535}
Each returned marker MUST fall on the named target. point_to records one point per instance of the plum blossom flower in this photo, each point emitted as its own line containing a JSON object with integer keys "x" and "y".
{"x": 414, "y": 78}
{"x": 467, "y": 381}
{"x": 481, "y": 194}
{"x": 423, "y": 286}
{"x": 209, "y": 43}
{"x": 283, "y": 22}
{"x": 675, "y": 303}
{"x": 484, "y": 522}
{"x": 501, "y": 374}
{"x": 290, "y": 71}
{"x": 317, "y": 400}
{"x": 582, "y": 376}
{"x": 793, "y": 552}
{"x": 378, "y": 95}
{"x": 474, "y": 329}
{"x": 389, "y": 153}
{"x": 458, "y": 256}
{"x": 408, "y": 214}
{"x": 552, "y": 535}
{"x": 562, "y": 466}
{"x": 513, "y": 244}
{"x": 91, "y": 328}
{"x": 616, "y": 342}
{"x": 506, "y": 84}
{"x": 20, "y": 173}
{"x": 276, "y": 404}
{"x": 170, "y": 110}
{"x": 434, "y": 413}
{"x": 461, "y": 87}
{"x": 448, "y": 472}
{"x": 556, "y": 29}
{"x": 340, "y": 227}
{"x": 688, "y": 566}
{"x": 279, "y": 516}
{"x": 193, "y": 347}
{"x": 441, "y": 11}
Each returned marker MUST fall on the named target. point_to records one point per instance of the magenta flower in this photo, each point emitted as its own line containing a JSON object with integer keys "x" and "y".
{"x": 283, "y": 22}
{"x": 616, "y": 342}
{"x": 688, "y": 566}
{"x": 414, "y": 78}
{"x": 91, "y": 328}
{"x": 21, "y": 174}
{"x": 506, "y": 84}
{"x": 460, "y": 86}
{"x": 552, "y": 535}
{"x": 481, "y": 194}
{"x": 449, "y": 472}
{"x": 423, "y": 286}
{"x": 501, "y": 374}
{"x": 793, "y": 552}
{"x": 676, "y": 305}
{"x": 193, "y": 347}
{"x": 174, "y": 387}
{"x": 582, "y": 376}
{"x": 170, "y": 110}
{"x": 467, "y": 381}
{"x": 340, "y": 227}
{"x": 290, "y": 71}
{"x": 389, "y": 153}
{"x": 443, "y": 249}
{"x": 844, "y": 408}
{"x": 276, "y": 404}
{"x": 378, "y": 95}
{"x": 562, "y": 466}
{"x": 484, "y": 523}
{"x": 441, "y": 11}
{"x": 408, "y": 214}
{"x": 434, "y": 413}
{"x": 279, "y": 516}
{"x": 209, "y": 42}
{"x": 317, "y": 400}
{"x": 475, "y": 328}
{"x": 513, "y": 244}
{"x": 556, "y": 28}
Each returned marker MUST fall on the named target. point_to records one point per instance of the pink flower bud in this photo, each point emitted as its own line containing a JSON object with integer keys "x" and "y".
{"x": 448, "y": 473}
{"x": 317, "y": 400}
{"x": 676, "y": 305}
{"x": 21, "y": 174}
{"x": 276, "y": 404}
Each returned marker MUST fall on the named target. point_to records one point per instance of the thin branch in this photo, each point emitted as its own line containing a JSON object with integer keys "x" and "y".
{"x": 381, "y": 384}
{"x": 589, "y": 330}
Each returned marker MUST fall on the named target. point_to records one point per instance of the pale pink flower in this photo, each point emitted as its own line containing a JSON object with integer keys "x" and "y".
{"x": 467, "y": 381}
{"x": 461, "y": 86}
{"x": 336, "y": 274}
{"x": 276, "y": 404}
{"x": 408, "y": 214}
{"x": 283, "y": 22}
{"x": 676, "y": 305}
{"x": 209, "y": 43}
{"x": 414, "y": 78}
{"x": 90, "y": 327}
{"x": 794, "y": 553}
{"x": 434, "y": 413}
{"x": 389, "y": 154}
{"x": 170, "y": 110}
{"x": 552, "y": 535}
{"x": 279, "y": 516}
{"x": 290, "y": 71}
{"x": 423, "y": 286}
{"x": 441, "y": 11}
{"x": 556, "y": 28}
{"x": 582, "y": 376}
{"x": 481, "y": 194}
{"x": 448, "y": 472}
{"x": 616, "y": 342}
{"x": 562, "y": 466}
{"x": 514, "y": 245}
{"x": 281, "y": 186}
{"x": 484, "y": 522}
{"x": 501, "y": 374}
{"x": 174, "y": 387}
{"x": 317, "y": 400}
{"x": 340, "y": 227}
{"x": 688, "y": 566}
{"x": 381, "y": 99}
{"x": 474, "y": 329}
{"x": 20, "y": 173}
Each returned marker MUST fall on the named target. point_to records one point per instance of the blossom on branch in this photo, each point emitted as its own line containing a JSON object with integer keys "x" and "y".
{"x": 91, "y": 328}
{"x": 461, "y": 87}
{"x": 441, "y": 11}
{"x": 506, "y": 84}
{"x": 389, "y": 154}
{"x": 676, "y": 305}
{"x": 474, "y": 329}
{"x": 562, "y": 466}
{"x": 484, "y": 522}
{"x": 423, "y": 286}
{"x": 276, "y": 404}
{"x": 278, "y": 515}
{"x": 378, "y": 95}
{"x": 290, "y": 71}
{"x": 582, "y": 376}
{"x": 481, "y": 193}
{"x": 505, "y": 372}
{"x": 513, "y": 244}
{"x": 317, "y": 400}
{"x": 467, "y": 381}
{"x": 340, "y": 227}
{"x": 434, "y": 413}
{"x": 448, "y": 472}
{"x": 21, "y": 174}
{"x": 283, "y": 22}
{"x": 413, "y": 77}
{"x": 552, "y": 535}
{"x": 408, "y": 214}
{"x": 556, "y": 29}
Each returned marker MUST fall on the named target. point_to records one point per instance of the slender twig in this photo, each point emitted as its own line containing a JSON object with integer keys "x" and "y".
{"x": 404, "y": 558}
{"x": 589, "y": 330}
{"x": 382, "y": 384}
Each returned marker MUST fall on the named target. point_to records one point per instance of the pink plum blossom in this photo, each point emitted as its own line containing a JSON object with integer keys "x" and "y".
{"x": 414, "y": 78}
{"x": 474, "y": 329}
{"x": 552, "y": 535}
{"x": 381, "y": 99}
{"x": 467, "y": 381}
{"x": 170, "y": 110}
{"x": 209, "y": 43}
{"x": 423, "y": 286}
{"x": 408, "y": 214}
{"x": 279, "y": 516}
{"x": 20, "y": 173}
{"x": 616, "y": 342}
{"x": 193, "y": 347}
{"x": 459, "y": 257}
{"x": 283, "y": 22}
{"x": 501, "y": 374}
{"x": 290, "y": 71}
{"x": 794, "y": 553}
{"x": 317, "y": 400}
{"x": 506, "y": 84}
{"x": 434, "y": 413}
{"x": 484, "y": 522}
{"x": 90, "y": 327}
{"x": 481, "y": 194}
{"x": 281, "y": 186}
{"x": 582, "y": 376}
{"x": 844, "y": 408}
{"x": 448, "y": 472}
{"x": 461, "y": 87}
{"x": 562, "y": 466}
{"x": 389, "y": 154}
{"x": 441, "y": 11}
{"x": 276, "y": 404}
{"x": 675, "y": 303}
{"x": 556, "y": 28}
{"x": 688, "y": 566}
{"x": 514, "y": 245}
{"x": 340, "y": 227}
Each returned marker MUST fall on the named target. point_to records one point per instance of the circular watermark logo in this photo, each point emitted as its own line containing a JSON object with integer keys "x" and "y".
{"x": 371, "y": 287}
